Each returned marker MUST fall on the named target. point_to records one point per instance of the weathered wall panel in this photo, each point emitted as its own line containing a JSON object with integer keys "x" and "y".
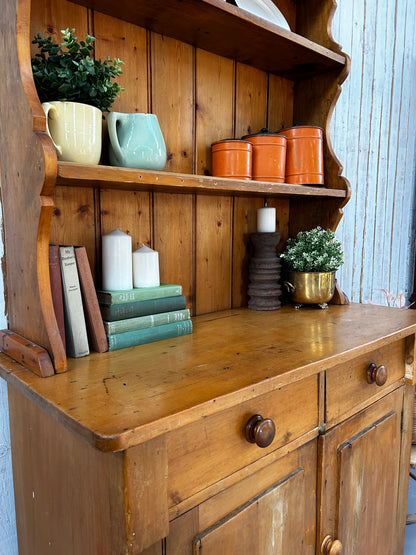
{"x": 373, "y": 134}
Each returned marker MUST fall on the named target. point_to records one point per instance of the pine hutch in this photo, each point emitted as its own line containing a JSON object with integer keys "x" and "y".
{"x": 144, "y": 450}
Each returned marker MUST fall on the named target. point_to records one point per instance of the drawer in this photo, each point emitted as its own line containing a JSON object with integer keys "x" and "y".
{"x": 203, "y": 453}
{"x": 347, "y": 388}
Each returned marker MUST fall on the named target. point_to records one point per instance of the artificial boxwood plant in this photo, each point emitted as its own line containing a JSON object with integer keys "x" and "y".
{"x": 68, "y": 71}
{"x": 316, "y": 250}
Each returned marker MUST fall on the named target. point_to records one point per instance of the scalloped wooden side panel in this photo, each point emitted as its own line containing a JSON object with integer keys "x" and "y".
{"x": 28, "y": 175}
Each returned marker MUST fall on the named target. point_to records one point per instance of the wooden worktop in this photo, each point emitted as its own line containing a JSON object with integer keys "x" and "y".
{"x": 119, "y": 399}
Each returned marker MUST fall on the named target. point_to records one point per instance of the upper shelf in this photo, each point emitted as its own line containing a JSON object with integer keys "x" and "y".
{"x": 224, "y": 29}
{"x": 111, "y": 177}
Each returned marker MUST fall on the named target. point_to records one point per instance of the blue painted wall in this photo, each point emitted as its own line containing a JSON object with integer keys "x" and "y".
{"x": 373, "y": 134}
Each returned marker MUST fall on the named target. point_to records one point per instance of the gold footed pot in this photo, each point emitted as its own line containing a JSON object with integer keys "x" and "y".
{"x": 311, "y": 287}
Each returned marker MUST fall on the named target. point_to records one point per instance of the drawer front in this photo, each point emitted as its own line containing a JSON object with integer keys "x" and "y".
{"x": 215, "y": 447}
{"x": 347, "y": 387}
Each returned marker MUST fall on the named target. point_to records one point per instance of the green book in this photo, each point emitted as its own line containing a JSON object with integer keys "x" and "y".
{"x": 139, "y": 294}
{"x": 148, "y": 335}
{"x": 149, "y": 321}
{"x": 112, "y": 312}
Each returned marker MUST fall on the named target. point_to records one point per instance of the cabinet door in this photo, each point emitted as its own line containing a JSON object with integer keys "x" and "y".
{"x": 271, "y": 523}
{"x": 269, "y": 512}
{"x": 359, "y": 484}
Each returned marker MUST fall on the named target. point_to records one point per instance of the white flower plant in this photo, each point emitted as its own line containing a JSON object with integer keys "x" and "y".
{"x": 316, "y": 250}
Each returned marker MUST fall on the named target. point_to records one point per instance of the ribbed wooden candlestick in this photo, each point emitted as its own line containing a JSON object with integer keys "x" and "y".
{"x": 264, "y": 289}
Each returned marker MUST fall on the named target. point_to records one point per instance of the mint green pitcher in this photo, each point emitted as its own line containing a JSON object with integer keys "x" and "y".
{"x": 136, "y": 141}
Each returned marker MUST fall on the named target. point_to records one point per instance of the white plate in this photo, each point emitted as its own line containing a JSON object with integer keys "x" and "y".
{"x": 265, "y": 9}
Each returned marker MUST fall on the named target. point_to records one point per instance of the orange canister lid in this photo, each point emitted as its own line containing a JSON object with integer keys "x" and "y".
{"x": 231, "y": 144}
{"x": 299, "y": 131}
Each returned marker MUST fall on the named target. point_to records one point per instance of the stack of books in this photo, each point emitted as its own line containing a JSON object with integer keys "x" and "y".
{"x": 143, "y": 315}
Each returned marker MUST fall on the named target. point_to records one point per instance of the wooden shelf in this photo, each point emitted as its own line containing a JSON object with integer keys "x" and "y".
{"x": 224, "y": 29}
{"x": 110, "y": 177}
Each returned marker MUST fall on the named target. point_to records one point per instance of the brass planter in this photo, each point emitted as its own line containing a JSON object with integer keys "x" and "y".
{"x": 311, "y": 287}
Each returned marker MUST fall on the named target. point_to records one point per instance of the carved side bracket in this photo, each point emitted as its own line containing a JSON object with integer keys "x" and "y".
{"x": 25, "y": 352}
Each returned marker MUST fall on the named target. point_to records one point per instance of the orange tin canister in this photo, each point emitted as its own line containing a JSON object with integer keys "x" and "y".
{"x": 269, "y": 156}
{"x": 304, "y": 155}
{"x": 232, "y": 158}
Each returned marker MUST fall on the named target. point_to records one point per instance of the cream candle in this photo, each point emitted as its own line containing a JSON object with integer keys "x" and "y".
{"x": 117, "y": 261}
{"x": 145, "y": 267}
{"x": 266, "y": 220}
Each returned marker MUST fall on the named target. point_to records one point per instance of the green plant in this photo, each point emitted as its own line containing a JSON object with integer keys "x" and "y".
{"x": 68, "y": 71}
{"x": 316, "y": 250}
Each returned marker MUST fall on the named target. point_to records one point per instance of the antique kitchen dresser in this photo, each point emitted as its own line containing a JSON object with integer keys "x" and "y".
{"x": 146, "y": 450}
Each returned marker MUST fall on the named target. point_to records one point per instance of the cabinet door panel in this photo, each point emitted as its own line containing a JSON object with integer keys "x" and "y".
{"x": 367, "y": 497}
{"x": 359, "y": 486}
{"x": 271, "y": 523}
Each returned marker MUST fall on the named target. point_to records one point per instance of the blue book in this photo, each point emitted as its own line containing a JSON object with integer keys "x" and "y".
{"x": 113, "y": 312}
{"x": 148, "y": 335}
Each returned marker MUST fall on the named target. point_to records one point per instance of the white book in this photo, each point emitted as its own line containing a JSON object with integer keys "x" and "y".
{"x": 75, "y": 329}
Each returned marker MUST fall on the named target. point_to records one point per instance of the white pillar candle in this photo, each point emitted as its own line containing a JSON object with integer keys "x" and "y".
{"x": 146, "y": 267}
{"x": 117, "y": 261}
{"x": 266, "y": 220}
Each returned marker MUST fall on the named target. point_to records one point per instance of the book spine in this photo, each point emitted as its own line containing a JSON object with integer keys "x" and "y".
{"x": 111, "y": 313}
{"x": 139, "y": 294}
{"x": 151, "y": 320}
{"x": 75, "y": 328}
{"x": 56, "y": 289}
{"x": 94, "y": 321}
{"x": 149, "y": 335}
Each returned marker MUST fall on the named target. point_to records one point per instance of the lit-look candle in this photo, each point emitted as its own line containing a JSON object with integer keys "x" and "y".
{"x": 146, "y": 267}
{"x": 117, "y": 261}
{"x": 266, "y": 220}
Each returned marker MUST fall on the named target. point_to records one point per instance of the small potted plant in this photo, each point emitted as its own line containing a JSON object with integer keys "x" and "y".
{"x": 73, "y": 87}
{"x": 312, "y": 258}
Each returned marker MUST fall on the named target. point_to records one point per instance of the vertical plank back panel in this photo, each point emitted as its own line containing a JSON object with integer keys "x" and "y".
{"x": 213, "y": 253}
{"x": 129, "y": 211}
{"x": 214, "y": 105}
{"x": 214, "y": 121}
{"x": 250, "y": 117}
{"x": 172, "y": 96}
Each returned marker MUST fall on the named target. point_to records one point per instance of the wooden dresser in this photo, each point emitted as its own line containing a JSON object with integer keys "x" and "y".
{"x": 147, "y": 449}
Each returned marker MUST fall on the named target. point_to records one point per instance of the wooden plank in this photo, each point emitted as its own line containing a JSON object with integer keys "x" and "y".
{"x": 172, "y": 66}
{"x": 214, "y": 121}
{"x": 177, "y": 381}
{"x": 26, "y": 353}
{"x": 137, "y": 180}
{"x": 129, "y": 211}
{"x": 218, "y": 27}
{"x": 213, "y": 254}
{"x": 250, "y": 117}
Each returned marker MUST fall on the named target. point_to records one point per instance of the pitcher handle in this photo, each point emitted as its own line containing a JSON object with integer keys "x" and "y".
{"x": 51, "y": 112}
{"x": 113, "y": 118}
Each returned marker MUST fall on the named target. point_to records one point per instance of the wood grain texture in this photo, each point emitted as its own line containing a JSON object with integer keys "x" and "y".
{"x": 177, "y": 380}
{"x": 41, "y": 449}
{"x": 217, "y": 26}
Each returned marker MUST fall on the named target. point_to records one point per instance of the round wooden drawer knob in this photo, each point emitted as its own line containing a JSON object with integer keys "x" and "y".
{"x": 330, "y": 546}
{"x": 377, "y": 374}
{"x": 260, "y": 431}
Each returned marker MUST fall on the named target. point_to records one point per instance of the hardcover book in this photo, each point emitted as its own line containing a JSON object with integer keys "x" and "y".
{"x": 113, "y": 312}
{"x": 148, "y": 335}
{"x": 56, "y": 289}
{"x": 94, "y": 321}
{"x": 75, "y": 328}
{"x": 139, "y": 294}
{"x": 149, "y": 321}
